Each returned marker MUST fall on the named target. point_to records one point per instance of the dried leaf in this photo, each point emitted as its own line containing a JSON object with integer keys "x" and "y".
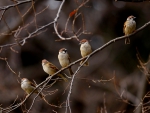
{"x": 73, "y": 13}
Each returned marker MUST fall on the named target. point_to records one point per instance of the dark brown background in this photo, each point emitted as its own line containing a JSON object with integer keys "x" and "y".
{"x": 104, "y": 18}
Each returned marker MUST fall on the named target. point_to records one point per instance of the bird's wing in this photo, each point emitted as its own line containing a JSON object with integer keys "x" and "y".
{"x": 53, "y": 66}
{"x": 124, "y": 26}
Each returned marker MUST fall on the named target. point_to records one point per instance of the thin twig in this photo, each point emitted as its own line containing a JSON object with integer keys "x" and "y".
{"x": 71, "y": 86}
{"x": 4, "y": 8}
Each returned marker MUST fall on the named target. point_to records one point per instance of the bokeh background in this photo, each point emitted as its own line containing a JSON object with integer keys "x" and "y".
{"x": 104, "y": 19}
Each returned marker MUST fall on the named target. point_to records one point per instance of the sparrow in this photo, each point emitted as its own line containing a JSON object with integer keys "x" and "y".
{"x": 85, "y": 50}
{"x": 129, "y": 27}
{"x": 28, "y": 87}
{"x": 64, "y": 59}
{"x": 50, "y": 69}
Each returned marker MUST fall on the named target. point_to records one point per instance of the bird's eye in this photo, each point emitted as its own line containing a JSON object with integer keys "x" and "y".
{"x": 64, "y": 52}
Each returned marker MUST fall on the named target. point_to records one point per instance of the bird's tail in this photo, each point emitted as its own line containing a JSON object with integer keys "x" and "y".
{"x": 62, "y": 76}
{"x": 85, "y": 64}
{"x": 70, "y": 71}
{"x": 127, "y": 40}
{"x": 41, "y": 94}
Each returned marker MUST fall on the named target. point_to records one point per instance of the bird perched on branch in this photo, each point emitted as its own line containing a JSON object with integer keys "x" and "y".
{"x": 28, "y": 87}
{"x": 64, "y": 59}
{"x": 50, "y": 69}
{"x": 85, "y": 50}
{"x": 129, "y": 27}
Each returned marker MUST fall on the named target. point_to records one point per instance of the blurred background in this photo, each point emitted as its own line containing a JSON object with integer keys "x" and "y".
{"x": 116, "y": 64}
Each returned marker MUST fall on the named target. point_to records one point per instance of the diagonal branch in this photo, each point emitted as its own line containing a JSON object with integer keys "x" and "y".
{"x": 77, "y": 61}
{"x": 16, "y": 4}
{"x": 4, "y": 8}
{"x": 71, "y": 86}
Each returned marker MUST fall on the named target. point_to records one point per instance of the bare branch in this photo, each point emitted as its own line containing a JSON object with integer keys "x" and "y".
{"x": 13, "y": 5}
{"x": 71, "y": 85}
{"x": 57, "y": 17}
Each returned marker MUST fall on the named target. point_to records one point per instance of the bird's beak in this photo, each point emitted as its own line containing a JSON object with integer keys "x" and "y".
{"x": 134, "y": 17}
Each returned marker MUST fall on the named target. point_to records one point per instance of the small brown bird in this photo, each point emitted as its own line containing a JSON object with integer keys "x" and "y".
{"x": 129, "y": 27}
{"x": 28, "y": 87}
{"x": 50, "y": 69}
{"x": 64, "y": 59}
{"x": 85, "y": 50}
